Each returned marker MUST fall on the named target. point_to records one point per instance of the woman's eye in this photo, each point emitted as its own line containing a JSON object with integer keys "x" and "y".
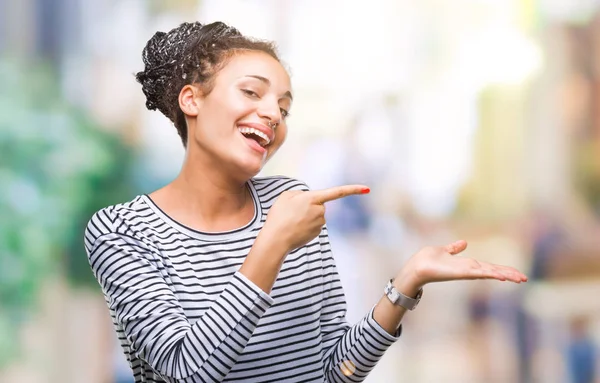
{"x": 284, "y": 113}
{"x": 250, "y": 93}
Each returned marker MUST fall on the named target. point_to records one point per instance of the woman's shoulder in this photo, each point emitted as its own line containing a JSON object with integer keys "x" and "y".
{"x": 279, "y": 182}
{"x": 115, "y": 218}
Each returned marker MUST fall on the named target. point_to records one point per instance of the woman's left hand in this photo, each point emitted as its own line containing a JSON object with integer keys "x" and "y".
{"x": 439, "y": 264}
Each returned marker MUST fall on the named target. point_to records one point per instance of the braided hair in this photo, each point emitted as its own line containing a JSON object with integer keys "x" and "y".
{"x": 191, "y": 53}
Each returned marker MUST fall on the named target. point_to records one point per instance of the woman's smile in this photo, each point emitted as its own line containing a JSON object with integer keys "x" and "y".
{"x": 257, "y": 136}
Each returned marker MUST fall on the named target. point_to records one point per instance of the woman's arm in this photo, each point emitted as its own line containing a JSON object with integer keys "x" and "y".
{"x": 351, "y": 352}
{"x": 264, "y": 261}
{"x": 130, "y": 274}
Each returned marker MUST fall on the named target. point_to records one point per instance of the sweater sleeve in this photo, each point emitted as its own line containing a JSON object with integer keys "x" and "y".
{"x": 131, "y": 276}
{"x": 351, "y": 352}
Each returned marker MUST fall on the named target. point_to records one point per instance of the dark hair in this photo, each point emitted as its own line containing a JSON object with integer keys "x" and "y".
{"x": 191, "y": 53}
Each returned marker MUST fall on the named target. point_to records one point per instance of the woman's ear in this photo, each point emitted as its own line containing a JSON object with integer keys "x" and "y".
{"x": 188, "y": 100}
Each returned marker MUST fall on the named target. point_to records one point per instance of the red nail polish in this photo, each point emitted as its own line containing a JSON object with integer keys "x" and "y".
{"x": 365, "y": 190}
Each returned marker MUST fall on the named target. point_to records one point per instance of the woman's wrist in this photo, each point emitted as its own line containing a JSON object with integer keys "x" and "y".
{"x": 273, "y": 241}
{"x": 407, "y": 282}
{"x": 264, "y": 261}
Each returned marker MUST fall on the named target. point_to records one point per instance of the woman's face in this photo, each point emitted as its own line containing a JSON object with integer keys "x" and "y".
{"x": 234, "y": 123}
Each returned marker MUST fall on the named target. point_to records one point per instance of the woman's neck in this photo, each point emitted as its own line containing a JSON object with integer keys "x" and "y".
{"x": 204, "y": 199}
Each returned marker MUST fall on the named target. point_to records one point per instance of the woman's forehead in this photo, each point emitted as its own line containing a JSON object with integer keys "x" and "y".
{"x": 257, "y": 65}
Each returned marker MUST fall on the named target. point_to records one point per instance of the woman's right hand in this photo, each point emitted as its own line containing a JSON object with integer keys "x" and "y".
{"x": 297, "y": 217}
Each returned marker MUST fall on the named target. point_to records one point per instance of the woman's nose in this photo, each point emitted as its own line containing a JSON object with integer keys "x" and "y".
{"x": 270, "y": 111}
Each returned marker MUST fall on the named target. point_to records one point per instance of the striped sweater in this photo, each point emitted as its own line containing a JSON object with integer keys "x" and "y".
{"x": 184, "y": 313}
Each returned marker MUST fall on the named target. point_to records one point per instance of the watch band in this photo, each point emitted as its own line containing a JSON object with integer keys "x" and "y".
{"x": 400, "y": 299}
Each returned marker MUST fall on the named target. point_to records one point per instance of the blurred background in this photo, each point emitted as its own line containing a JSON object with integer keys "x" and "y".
{"x": 474, "y": 119}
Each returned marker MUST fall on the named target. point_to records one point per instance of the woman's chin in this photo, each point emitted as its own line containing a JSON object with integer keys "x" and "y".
{"x": 250, "y": 167}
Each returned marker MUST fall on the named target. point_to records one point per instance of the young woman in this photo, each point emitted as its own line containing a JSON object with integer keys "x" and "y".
{"x": 223, "y": 276}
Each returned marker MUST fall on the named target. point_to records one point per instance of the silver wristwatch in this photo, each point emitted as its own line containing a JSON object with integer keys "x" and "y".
{"x": 400, "y": 299}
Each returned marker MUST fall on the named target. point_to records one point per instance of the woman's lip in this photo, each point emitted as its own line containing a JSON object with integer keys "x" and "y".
{"x": 253, "y": 144}
{"x": 260, "y": 127}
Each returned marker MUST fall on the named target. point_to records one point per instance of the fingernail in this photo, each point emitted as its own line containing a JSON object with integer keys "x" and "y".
{"x": 365, "y": 190}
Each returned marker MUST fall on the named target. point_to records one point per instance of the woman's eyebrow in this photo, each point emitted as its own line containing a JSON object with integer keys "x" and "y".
{"x": 287, "y": 94}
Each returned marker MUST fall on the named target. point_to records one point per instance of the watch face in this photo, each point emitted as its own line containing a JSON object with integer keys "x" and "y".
{"x": 389, "y": 288}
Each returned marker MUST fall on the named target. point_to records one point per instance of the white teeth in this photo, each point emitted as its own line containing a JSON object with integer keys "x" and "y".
{"x": 256, "y": 132}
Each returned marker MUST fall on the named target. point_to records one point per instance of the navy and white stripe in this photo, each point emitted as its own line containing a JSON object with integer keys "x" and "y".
{"x": 183, "y": 312}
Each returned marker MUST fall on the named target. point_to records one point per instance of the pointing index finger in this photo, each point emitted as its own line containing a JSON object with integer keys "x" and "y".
{"x": 337, "y": 192}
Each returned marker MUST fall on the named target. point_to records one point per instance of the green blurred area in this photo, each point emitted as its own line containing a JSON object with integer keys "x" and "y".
{"x": 57, "y": 169}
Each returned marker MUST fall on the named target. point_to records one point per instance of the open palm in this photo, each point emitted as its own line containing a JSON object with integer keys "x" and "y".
{"x": 439, "y": 264}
